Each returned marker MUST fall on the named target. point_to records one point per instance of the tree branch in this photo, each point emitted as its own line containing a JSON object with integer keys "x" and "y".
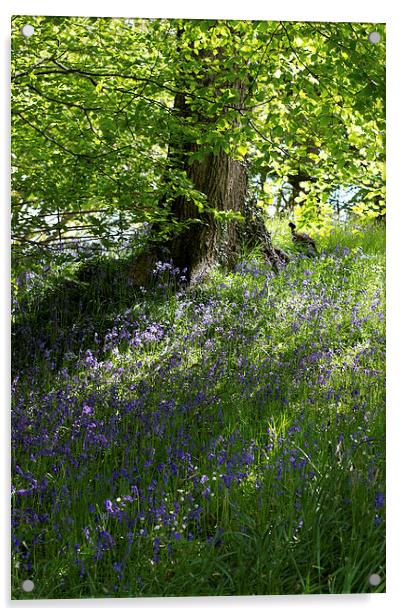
{"x": 60, "y": 101}
{"x": 66, "y": 149}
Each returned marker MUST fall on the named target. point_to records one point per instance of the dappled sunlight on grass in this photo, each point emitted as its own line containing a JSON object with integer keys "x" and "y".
{"x": 227, "y": 439}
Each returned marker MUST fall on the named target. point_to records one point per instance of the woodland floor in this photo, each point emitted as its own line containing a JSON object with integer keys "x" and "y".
{"x": 228, "y": 440}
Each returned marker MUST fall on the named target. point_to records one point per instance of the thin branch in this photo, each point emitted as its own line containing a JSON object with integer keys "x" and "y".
{"x": 28, "y": 72}
{"x": 260, "y": 64}
{"x": 78, "y": 213}
{"x": 268, "y": 140}
{"x": 67, "y": 150}
{"x": 47, "y": 137}
{"x": 316, "y": 77}
{"x": 90, "y": 74}
{"x": 62, "y": 102}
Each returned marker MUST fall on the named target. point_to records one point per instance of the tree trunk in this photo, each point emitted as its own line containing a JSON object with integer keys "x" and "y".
{"x": 212, "y": 240}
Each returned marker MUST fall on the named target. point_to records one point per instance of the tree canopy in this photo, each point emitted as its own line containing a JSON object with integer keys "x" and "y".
{"x": 94, "y": 119}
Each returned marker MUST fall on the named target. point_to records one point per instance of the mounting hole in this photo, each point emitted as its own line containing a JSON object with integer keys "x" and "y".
{"x": 28, "y": 30}
{"x": 27, "y": 585}
{"x": 374, "y": 579}
{"x": 374, "y": 38}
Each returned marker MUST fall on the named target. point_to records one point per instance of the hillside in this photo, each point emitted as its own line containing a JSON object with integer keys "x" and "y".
{"x": 223, "y": 439}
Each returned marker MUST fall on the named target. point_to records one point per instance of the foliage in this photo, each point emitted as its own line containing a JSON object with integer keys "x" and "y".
{"x": 93, "y": 117}
{"x": 223, "y": 440}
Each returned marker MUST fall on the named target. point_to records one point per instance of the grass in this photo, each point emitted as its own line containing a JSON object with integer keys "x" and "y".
{"x": 228, "y": 440}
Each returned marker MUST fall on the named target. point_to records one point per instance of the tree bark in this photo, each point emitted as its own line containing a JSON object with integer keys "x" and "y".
{"x": 202, "y": 244}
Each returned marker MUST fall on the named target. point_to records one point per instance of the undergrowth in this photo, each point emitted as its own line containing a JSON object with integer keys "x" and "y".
{"x": 224, "y": 440}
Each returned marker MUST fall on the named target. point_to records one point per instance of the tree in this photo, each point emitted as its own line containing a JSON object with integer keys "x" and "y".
{"x": 118, "y": 123}
{"x": 215, "y": 225}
